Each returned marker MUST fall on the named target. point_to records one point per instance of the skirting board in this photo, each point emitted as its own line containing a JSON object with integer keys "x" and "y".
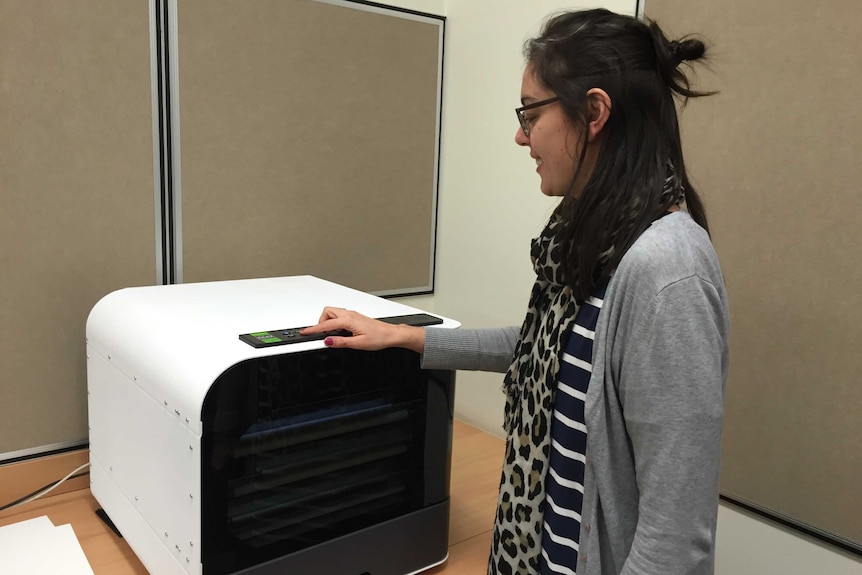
{"x": 20, "y": 478}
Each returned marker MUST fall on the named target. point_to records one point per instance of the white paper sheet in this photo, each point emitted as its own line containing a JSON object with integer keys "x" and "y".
{"x": 37, "y": 547}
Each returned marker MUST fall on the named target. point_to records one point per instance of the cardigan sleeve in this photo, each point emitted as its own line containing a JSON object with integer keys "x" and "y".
{"x": 470, "y": 349}
{"x": 671, "y": 385}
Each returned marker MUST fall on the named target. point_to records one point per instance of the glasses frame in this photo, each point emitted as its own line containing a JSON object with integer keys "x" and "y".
{"x": 522, "y": 119}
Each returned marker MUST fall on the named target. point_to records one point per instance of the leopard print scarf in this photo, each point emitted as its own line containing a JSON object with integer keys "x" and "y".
{"x": 530, "y": 384}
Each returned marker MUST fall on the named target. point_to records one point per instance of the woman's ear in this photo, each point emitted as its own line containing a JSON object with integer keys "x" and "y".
{"x": 599, "y": 104}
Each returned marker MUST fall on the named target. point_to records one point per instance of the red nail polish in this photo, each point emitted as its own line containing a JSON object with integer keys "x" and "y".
{"x": 327, "y": 341}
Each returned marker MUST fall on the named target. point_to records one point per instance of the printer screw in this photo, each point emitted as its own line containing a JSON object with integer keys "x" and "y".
{"x": 109, "y": 357}
{"x": 191, "y": 448}
{"x": 136, "y": 497}
{"x": 187, "y": 560}
{"x": 177, "y": 411}
{"x": 191, "y": 544}
{"x": 166, "y": 533}
{"x": 187, "y": 420}
{"x": 177, "y": 546}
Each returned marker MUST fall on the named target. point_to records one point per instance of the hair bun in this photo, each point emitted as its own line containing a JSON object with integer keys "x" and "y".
{"x": 690, "y": 49}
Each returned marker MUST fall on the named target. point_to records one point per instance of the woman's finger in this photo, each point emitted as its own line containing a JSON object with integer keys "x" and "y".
{"x": 330, "y": 324}
{"x": 330, "y": 313}
{"x": 336, "y": 341}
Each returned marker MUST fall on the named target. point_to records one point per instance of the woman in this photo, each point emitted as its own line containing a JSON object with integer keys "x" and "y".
{"x": 615, "y": 380}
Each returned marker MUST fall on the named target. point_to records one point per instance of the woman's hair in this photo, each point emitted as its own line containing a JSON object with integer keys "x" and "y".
{"x": 638, "y": 67}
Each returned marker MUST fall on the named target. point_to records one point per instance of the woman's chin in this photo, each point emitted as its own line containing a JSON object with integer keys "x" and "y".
{"x": 550, "y": 191}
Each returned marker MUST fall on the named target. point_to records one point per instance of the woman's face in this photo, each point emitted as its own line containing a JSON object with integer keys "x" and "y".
{"x": 553, "y": 141}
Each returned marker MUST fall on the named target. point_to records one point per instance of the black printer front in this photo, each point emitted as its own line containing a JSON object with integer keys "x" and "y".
{"x": 327, "y": 461}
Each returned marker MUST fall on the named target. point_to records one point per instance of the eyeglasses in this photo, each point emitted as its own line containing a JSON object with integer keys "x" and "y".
{"x": 525, "y": 123}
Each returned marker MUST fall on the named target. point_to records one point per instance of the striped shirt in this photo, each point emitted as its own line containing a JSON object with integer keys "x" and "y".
{"x": 564, "y": 484}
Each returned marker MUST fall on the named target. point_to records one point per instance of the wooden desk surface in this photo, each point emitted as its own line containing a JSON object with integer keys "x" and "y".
{"x": 477, "y": 459}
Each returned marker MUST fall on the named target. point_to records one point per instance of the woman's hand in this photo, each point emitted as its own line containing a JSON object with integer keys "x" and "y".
{"x": 368, "y": 334}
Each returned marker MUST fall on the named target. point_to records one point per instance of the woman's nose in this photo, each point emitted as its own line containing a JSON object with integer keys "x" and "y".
{"x": 521, "y": 138}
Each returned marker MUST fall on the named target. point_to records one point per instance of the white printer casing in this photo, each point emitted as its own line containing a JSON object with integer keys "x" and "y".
{"x": 153, "y": 354}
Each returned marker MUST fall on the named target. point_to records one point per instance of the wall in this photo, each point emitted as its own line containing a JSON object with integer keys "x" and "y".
{"x": 76, "y": 198}
{"x": 749, "y": 545}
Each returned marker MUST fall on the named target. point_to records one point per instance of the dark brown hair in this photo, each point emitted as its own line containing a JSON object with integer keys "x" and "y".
{"x": 638, "y": 67}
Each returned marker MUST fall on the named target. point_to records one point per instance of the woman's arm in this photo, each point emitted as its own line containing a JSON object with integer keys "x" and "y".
{"x": 671, "y": 383}
{"x": 470, "y": 349}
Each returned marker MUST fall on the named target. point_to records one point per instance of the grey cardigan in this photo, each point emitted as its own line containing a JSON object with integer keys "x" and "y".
{"x": 653, "y": 409}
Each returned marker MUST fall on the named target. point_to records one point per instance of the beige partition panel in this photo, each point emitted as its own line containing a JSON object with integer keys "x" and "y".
{"x": 308, "y": 142}
{"x": 776, "y": 155}
{"x": 76, "y": 198}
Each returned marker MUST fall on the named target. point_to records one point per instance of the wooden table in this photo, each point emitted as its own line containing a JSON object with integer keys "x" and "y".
{"x": 477, "y": 458}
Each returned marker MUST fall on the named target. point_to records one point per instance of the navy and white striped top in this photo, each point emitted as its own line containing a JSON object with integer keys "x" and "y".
{"x": 564, "y": 484}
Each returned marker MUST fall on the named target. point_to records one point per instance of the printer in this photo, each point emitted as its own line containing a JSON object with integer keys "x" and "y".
{"x": 222, "y": 442}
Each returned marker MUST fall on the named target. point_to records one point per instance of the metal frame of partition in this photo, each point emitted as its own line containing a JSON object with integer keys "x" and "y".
{"x": 168, "y": 206}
